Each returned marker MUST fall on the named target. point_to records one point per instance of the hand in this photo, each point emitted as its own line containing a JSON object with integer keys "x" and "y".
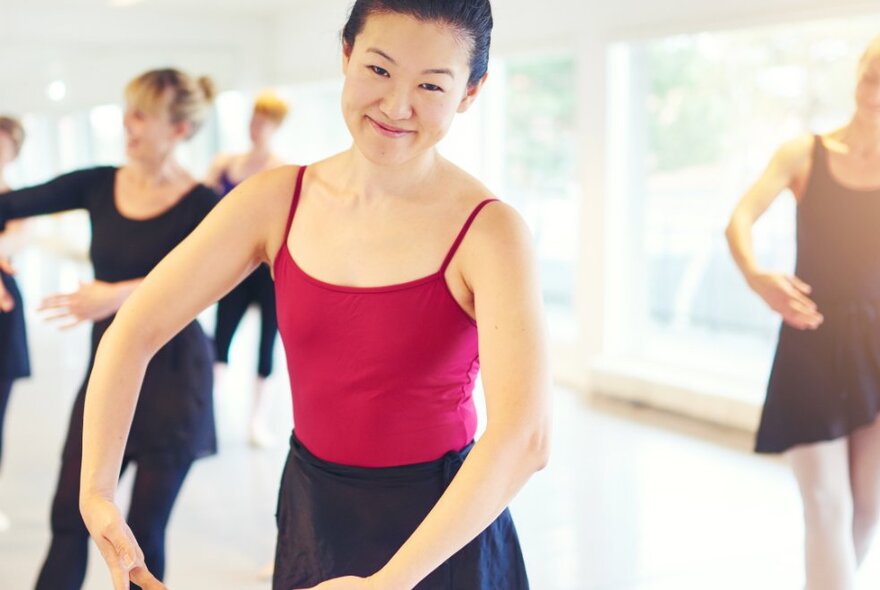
{"x": 346, "y": 583}
{"x": 7, "y": 304}
{"x": 788, "y": 296}
{"x": 92, "y": 302}
{"x": 117, "y": 544}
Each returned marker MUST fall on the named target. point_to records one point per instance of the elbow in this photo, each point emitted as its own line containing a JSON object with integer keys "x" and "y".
{"x": 538, "y": 449}
{"x": 533, "y": 444}
{"x": 526, "y": 444}
{"x": 731, "y": 230}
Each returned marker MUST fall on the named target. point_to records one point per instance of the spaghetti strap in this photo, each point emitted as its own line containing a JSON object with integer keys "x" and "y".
{"x": 462, "y": 233}
{"x": 295, "y": 200}
{"x": 820, "y": 159}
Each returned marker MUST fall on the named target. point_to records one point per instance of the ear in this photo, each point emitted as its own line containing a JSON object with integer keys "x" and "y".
{"x": 346, "y": 56}
{"x": 183, "y": 130}
{"x": 471, "y": 94}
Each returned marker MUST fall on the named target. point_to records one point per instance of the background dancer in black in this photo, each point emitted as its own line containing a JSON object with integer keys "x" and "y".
{"x": 823, "y": 397}
{"x": 14, "y": 360}
{"x": 139, "y": 213}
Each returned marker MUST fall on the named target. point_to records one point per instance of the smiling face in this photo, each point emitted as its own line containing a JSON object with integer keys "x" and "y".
{"x": 405, "y": 80}
{"x": 150, "y": 134}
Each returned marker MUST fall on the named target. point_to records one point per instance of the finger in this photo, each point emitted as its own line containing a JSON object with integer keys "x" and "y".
{"x": 126, "y": 552}
{"x": 71, "y": 324}
{"x": 804, "y": 310}
{"x": 54, "y": 301}
{"x": 796, "y": 295}
{"x": 118, "y": 574}
{"x": 143, "y": 578}
{"x": 6, "y": 266}
{"x": 800, "y": 285}
{"x": 7, "y": 303}
{"x": 804, "y": 322}
{"x": 58, "y": 315}
{"x": 811, "y": 321}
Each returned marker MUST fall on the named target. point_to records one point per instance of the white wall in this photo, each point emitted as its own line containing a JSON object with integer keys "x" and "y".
{"x": 96, "y": 50}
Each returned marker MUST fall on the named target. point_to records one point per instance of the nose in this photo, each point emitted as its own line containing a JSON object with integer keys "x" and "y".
{"x": 396, "y": 105}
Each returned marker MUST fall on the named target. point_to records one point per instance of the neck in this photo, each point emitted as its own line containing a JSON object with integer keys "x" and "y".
{"x": 260, "y": 151}
{"x": 370, "y": 181}
{"x": 862, "y": 136}
{"x": 154, "y": 171}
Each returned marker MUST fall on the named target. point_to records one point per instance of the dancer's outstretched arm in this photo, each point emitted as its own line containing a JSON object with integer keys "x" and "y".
{"x": 244, "y": 230}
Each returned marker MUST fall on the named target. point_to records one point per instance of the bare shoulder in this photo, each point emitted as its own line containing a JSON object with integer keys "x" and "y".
{"x": 261, "y": 205}
{"x": 796, "y": 154}
{"x": 499, "y": 228}
{"x": 268, "y": 190}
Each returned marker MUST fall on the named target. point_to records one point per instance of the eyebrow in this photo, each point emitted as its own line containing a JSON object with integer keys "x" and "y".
{"x": 443, "y": 71}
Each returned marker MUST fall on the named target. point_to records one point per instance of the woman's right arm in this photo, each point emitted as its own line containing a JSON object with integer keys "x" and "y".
{"x": 787, "y": 295}
{"x": 244, "y": 230}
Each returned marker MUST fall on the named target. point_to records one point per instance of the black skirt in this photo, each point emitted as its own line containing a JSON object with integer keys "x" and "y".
{"x": 14, "y": 360}
{"x": 335, "y": 520}
{"x": 825, "y": 383}
{"x": 174, "y": 418}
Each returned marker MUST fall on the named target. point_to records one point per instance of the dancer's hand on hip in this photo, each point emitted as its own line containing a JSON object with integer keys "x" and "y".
{"x": 788, "y": 296}
{"x": 6, "y": 302}
{"x": 346, "y": 583}
{"x": 117, "y": 544}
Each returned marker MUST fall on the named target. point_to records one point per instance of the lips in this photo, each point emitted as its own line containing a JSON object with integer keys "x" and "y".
{"x": 388, "y": 131}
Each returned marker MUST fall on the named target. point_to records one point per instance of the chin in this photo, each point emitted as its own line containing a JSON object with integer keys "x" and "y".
{"x": 385, "y": 155}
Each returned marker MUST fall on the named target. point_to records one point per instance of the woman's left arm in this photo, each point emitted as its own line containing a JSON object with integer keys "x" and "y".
{"x": 498, "y": 264}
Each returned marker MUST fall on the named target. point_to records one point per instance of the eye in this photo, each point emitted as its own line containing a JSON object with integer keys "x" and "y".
{"x": 432, "y": 88}
{"x": 379, "y": 71}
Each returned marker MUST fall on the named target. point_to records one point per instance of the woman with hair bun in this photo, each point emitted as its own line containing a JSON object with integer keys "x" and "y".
{"x": 139, "y": 213}
{"x": 388, "y": 261}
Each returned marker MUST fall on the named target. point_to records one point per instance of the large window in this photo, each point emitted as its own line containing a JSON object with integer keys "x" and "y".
{"x": 520, "y": 138}
{"x": 694, "y": 119}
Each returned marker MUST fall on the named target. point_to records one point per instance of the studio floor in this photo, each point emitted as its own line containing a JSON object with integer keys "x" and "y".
{"x": 633, "y": 499}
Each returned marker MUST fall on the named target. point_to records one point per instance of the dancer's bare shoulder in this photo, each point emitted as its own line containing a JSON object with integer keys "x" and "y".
{"x": 793, "y": 162}
{"x": 263, "y": 201}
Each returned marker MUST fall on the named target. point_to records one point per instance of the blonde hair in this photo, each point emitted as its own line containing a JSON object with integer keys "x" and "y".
{"x": 871, "y": 53}
{"x": 190, "y": 99}
{"x": 269, "y": 105}
{"x": 12, "y": 127}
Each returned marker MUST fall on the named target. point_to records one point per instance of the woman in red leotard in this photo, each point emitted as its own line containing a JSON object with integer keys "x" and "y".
{"x": 388, "y": 262}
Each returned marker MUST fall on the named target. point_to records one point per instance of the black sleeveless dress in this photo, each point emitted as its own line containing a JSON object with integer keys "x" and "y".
{"x": 825, "y": 383}
{"x": 174, "y": 418}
